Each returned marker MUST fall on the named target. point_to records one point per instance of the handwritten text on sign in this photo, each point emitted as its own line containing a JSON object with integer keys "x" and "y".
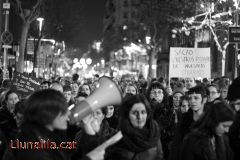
{"x": 189, "y": 62}
{"x": 25, "y": 84}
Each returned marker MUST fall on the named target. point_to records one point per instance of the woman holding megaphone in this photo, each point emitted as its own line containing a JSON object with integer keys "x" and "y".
{"x": 95, "y": 131}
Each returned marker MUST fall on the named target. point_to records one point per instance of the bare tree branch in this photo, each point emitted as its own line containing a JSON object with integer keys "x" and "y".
{"x": 18, "y": 7}
{"x": 35, "y": 11}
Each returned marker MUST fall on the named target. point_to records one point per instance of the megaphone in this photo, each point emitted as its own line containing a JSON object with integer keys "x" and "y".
{"x": 108, "y": 93}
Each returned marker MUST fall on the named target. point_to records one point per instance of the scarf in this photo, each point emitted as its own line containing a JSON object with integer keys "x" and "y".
{"x": 139, "y": 140}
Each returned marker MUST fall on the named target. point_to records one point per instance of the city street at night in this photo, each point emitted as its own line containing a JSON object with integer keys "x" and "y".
{"x": 120, "y": 80}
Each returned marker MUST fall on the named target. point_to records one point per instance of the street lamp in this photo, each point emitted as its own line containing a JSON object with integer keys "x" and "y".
{"x": 89, "y": 61}
{"x": 36, "y": 48}
{"x": 40, "y": 20}
{"x": 148, "y": 39}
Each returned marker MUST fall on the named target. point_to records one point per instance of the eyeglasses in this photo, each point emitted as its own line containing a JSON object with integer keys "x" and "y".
{"x": 156, "y": 92}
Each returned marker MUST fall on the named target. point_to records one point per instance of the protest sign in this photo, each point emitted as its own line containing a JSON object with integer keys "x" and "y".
{"x": 189, "y": 62}
{"x": 25, "y": 84}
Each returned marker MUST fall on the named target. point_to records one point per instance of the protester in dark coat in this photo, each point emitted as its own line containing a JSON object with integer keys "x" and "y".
{"x": 7, "y": 121}
{"x": 163, "y": 114}
{"x": 46, "y": 110}
{"x": 207, "y": 140}
{"x": 234, "y": 132}
{"x": 197, "y": 100}
{"x": 112, "y": 115}
{"x": 95, "y": 131}
{"x": 141, "y": 136}
{"x": 5, "y": 152}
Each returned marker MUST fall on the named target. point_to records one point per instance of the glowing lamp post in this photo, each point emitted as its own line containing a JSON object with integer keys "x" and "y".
{"x": 40, "y": 20}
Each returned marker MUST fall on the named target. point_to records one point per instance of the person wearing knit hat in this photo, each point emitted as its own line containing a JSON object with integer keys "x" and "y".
{"x": 178, "y": 91}
{"x": 177, "y": 94}
{"x": 234, "y": 132}
{"x": 176, "y": 97}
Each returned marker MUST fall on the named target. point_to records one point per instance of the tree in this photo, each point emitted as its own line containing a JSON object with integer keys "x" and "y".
{"x": 159, "y": 17}
{"x": 28, "y": 11}
{"x": 63, "y": 20}
{"x": 216, "y": 16}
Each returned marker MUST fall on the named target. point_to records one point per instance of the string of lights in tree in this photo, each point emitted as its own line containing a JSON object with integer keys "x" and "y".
{"x": 212, "y": 19}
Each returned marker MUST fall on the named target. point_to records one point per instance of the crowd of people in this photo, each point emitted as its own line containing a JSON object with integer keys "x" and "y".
{"x": 184, "y": 119}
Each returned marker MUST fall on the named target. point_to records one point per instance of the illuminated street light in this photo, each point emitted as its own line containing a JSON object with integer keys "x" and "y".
{"x": 82, "y": 61}
{"x": 75, "y": 60}
{"x": 148, "y": 39}
{"x": 89, "y": 61}
{"x": 40, "y": 19}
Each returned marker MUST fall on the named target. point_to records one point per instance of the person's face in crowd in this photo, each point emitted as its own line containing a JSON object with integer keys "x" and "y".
{"x": 223, "y": 93}
{"x": 79, "y": 99}
{"x": 74, "y": 88}
{"x": 138, "y": 115}
{"x": 141, "y": 80}
{"x": 19, "y": 119}
{"x": 67, "y": 95}
{"x": 11, "y": 101}
{"x": 110, "y": 111}
{"x": 236, "y": 105}
{"x": 61, "y": 121}
{"x": 176, "y": 99}
{"x": 86, "y": 89}
{"x": 213, "y": 93}
{"x": 63, "y": 82}
{"x": 44, "y": 86}
{"x": 98, "y": 114}
{"x": 130, "y": 89}
{"x": 190, "y": 83}
{"x": 57, "y": 87}
{"x": 196, "y": 102}
{"x": 127, "y": 80}
{"x": 169, "y": 90}
{"x": 156, "y": 95}
{"x": 223, "y": 127}
{"x": 184, "y": 106}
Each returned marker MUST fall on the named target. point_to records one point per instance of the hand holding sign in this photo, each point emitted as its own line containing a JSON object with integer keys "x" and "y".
{"x": 98, "y": 153}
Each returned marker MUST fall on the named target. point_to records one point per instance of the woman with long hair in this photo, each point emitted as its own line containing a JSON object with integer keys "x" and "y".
{"x": 141, "y": 136}
{"x": 208, "y": 140}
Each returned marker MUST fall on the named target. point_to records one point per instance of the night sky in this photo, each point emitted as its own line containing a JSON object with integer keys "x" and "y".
{"x": 91, "y": 28}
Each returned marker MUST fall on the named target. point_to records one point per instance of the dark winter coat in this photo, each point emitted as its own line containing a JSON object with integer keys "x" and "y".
{"x": 165, "y": 117}
{"x": 5, "y": 151}
{"x": 34, "y": 133}
{"x": 234, "y": 137}
{"x": 8, "y": 124}
{"x": 197, "y": 146}
{"x": 181, "y": 130}
{"x": 87, "y": 143}
{"x": 137, "y": 144}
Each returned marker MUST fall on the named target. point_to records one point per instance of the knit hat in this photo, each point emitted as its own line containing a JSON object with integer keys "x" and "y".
{"x": 234, "y": 90}
{"x": 178, "y": 91}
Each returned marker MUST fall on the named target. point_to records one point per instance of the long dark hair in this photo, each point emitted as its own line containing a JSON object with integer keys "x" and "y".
{"x": 218, "y": 112}
{"x": 128, "y": 103}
